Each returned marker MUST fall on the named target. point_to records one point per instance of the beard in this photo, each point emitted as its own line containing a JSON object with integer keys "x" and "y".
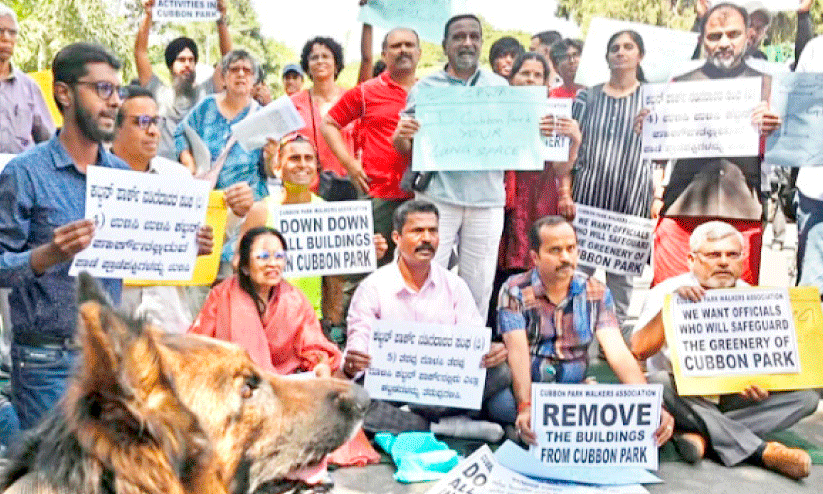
{"x": 89, "y": 127}
{"x": 465, "y": 61}
{"x": 184, "y": 84}
{"x": 726, "y": 64}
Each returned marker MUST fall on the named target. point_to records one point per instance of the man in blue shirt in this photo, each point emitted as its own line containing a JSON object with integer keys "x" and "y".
{"x": 42, "y": 206}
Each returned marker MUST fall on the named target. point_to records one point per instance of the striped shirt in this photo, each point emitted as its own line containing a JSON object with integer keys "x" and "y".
{"x": 609, "y": 173}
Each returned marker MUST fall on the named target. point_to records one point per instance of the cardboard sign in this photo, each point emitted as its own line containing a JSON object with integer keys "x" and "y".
{"x": 768, "y": 337}
{"x": 618, "y": 243}
{"x": 799, "y": 139}
{"x": 427, "y": 17}
{"x": 185, "y": 10}
{"x": 326, "y": 238}
{"x": 556, "y": 147}
{"x": 596, "y": 425}
{"x": 479, "y": 128}
{"x": 146, "y": 225}
{"x": 430, "y": 364}
{"x": 700, "y": 119}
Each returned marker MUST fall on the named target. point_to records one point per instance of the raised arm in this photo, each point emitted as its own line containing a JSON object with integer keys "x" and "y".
{"x": 223, "y": 29}
{"x": 141, "y": 45}
{"x": 366, "y": 56}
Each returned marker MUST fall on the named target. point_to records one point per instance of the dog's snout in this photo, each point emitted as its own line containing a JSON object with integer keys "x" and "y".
{"x": 353, "y": 401}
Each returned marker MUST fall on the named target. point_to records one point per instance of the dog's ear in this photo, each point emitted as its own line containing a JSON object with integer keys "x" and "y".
{"x": 88, "y": 290}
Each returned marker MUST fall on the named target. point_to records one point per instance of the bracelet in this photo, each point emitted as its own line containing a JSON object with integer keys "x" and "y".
{"x": 523, "y": 406}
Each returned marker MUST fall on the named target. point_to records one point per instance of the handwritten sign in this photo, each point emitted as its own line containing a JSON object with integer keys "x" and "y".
{"x": 596, "y": 425}
{"x": 799, "y": 139}
{"x": 699, "y": 119}
{"x": 666, "y": 50}
{"x": 146, "y": 225}
{"x": 327, "y": 238}
{"x": 556, "y": 147}
{"x": 273, "y": 121}
{"x": 430, "y": 364}
{"x": 479, "y": 128}
{"x": 185, "y": 10}
{"x": 427, "y": 17}
{"x": 618, "y": 243}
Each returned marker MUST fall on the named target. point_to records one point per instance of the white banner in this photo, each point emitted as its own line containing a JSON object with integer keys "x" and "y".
{"x": 429, "y": 364}
{"x": 146, "y": 225}
{"x": 596, "y": 425}
{"x": 327, "y": 238}
{"x": 735, "y": 331}
{"x": 700, "y": 119}
{"x": 618, "y": 243}
{"x": 185, "y": 10}
{"x": 556, "y": 147}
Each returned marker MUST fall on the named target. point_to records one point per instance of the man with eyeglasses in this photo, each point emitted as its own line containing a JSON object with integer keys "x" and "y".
{"x": 181, "y": 57}
{"x": 24, "y": 117}
{"x": 42, "y": 226}
{"x": 734, "y": 425}
{"x": 565, "y": 57}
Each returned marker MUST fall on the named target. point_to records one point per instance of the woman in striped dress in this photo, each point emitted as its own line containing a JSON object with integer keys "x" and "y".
{"x": 609, "y": 173}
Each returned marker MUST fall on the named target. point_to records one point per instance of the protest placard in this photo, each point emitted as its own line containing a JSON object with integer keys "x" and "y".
{"x": 799, "y": 139}
{"x": 602, "y": 425}
{"x": 556, "y": 147}
{"x": 618, "y": 243}
{"x": 274, "y": 120}
{"x": 146, "y": 225}
{"x": 699, "y": 119}
{"x": 4, "y": 159}
{"x": 479, "y": 128}
{"x": 429, "y": 364}
{"x": 427, "y": 17}
{"x": 185, "y": 10}
{"x": 666, "y": 50}
{"x": 326, "y": 238}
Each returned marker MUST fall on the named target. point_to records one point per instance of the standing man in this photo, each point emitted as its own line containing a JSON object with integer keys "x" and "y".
{"x": 292, "y": 79}
{"x": 181, "y": 59}
{"x": 24, "y": 116}
{"x": 542, "y": 43}
{"x": 702, "y": 189}
{"x": 42, "y": 226}
{"x": 378, "y": 103}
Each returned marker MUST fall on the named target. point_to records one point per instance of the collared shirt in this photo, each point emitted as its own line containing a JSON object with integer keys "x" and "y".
{"x": 654, "y": 304}
{"x": 24, "y": 116}
{"x": 174, "y": 107}
{"x": 40, "y": 190}
{"x": 469, "y": 188}
{"x": 444, "y": 298}
{"x": 559, "y": 335}
{"x": 378, "y": 103}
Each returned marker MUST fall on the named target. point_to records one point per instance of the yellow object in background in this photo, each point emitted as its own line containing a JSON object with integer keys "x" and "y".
{"x": 205, "y": 269}
{"x": 45, "y": 80}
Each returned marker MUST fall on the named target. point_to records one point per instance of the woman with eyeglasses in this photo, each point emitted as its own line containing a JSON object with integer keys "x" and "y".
{"x": 266, "y": 315}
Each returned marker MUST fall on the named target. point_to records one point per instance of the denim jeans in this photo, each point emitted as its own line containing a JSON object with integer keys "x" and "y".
{"x": 9, "y": 425}
{"x": 38, "y": 379}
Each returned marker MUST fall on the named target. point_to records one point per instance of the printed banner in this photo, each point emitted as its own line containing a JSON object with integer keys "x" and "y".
{"x": 429, "y": 364}
{"x": 701, "y": 119}
{"x": 185, "y": 10}
{"x": 666, "y": 50}
{"x": 479, "y": 128}
{"x": 618, "y": 243}
{"x": 274, "y": 120}
{"x": 327, "y": 238}
{"x": 146, "y": 225}
{"x": 427, "y": 17}
{"x": 799, "y": 139}
{"x": 596, "y": 425}
{"x": 556, "y": 147}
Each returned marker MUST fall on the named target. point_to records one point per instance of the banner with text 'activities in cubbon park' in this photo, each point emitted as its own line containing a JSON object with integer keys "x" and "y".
{"x": 734, "y": 338}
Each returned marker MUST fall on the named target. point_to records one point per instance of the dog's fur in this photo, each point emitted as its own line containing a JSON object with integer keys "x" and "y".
{"x": 162, "y": 414}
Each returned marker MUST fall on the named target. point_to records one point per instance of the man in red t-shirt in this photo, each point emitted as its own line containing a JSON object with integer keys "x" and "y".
{"x": 377, "y": 171}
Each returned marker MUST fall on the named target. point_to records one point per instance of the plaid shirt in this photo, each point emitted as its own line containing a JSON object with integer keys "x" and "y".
{"x": 559, "y": 335}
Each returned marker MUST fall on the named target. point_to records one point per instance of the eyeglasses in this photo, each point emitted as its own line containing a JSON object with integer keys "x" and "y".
{"x": 146, "y": 121}
{"x": 10, "y": 32}
{"x": 295, "y": 136}
{"x": 265, "y": 255}
{"x": 568, "y": 56}
{"x": 105, "y": 89}
{"x": 241, "y": 70}
{"x": 716, "y": 255}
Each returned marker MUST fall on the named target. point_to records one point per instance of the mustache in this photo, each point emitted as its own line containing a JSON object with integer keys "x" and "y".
{"x": 565, "y": 265}
{"x": 424, "y": 246}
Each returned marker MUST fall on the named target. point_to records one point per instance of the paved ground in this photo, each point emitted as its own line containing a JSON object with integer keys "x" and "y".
{"x": 680, "y": 478}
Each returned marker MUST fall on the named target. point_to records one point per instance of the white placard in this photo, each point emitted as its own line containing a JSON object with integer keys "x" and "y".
{"x": 327, "y": 238}
{"x": 146, "y": 225}
{"x": 603, "y": 425}
{"x": 481, "y": 473}
{"x": 701, "y": 119}
{"x": 274, "y": 120}
{"x": 618, "y": 243}
{"x": 4, "y": 160}
{"x": 185, "y": 10}
{"x": 556, "y": 147}
{"x": 666, "y": 50}
{"x": 429, "y": 364}
{"x": 736, "y": 332}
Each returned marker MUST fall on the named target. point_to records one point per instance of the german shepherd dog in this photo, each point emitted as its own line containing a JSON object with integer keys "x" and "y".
{"x": 150, "y": 413}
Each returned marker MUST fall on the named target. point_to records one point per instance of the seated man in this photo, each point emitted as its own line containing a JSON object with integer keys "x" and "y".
{"x": 733, "y": 426}
{"x": 530, "y": 305}
{"x": 413, "y": 288}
